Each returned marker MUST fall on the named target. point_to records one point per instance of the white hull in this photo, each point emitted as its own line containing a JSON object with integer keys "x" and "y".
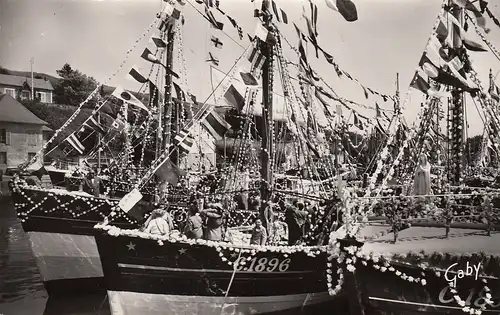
{"x": 132, "y": 303}
{"x": 65, "y": 256}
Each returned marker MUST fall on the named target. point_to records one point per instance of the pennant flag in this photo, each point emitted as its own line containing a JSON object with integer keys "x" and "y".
{"x": 256, "y": 59}
{"x": 209, "y": 3}
{"x": 345, "y": 7}
{"x": 312, "y": 34}
{"x": 302, "y": 52}
{"x": 215, "y": 125}
{"x": 213, "y": 60}
{"x": 94, "y": 125}
{"x": 169, "y": 10}
{"x": 381, "y": 129}
{"x": 442, "y": 31}
{"x": 181, "y": 2}
{"x": 75, "y": 143}
{"x": 264, "y": 35}
{"x": 213, "y": 22}
{"x": 160, "y": 43}
{"x": 184, "y": 141}
{"x": 358, "y": 123}
{"x": 127, "y": 97}
{"x": 461, "y": 34}
{"x": 181, "y": 96}
{"x": 136, "y": 75}
{"x": 249, "y": 79}
{"x": 309, "y": 145}
{"x": 217, "y": 43}
{"x": 149, "y": 56}
{"x": 480, "y": 19}
{"x": 234, "y": 98}
{"x": 314, "y": 17}
{"x": 279, "y": 14}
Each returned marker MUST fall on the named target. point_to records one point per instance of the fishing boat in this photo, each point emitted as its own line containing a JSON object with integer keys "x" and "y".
{"x": 435, "y": 248}
{"x": 152, "y": 274}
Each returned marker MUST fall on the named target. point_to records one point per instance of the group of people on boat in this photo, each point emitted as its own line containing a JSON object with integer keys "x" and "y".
{"x": 282, "y": 223}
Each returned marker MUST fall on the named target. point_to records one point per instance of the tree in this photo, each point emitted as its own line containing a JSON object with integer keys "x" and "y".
{"x": 74, "y": 86}
{"x": 4, "y": 71}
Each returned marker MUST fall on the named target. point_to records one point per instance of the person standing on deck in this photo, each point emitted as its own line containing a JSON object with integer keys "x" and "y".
{"x": 259, "y": 234}
{"x": 159, "y": 223}
{"x": 213, "y": 227}
{"x": 294, "y": 219}
{"x": 93, "y": 184}
{"x": 194, "y": 224}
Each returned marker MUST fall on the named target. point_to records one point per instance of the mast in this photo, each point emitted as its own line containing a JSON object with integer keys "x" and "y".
{"x": 99, "y": 139}
{"x": 32, "y": 60}
{"x": 168, "y": 104}
{"x": 267, "y": 116}
{"x": 457, "y": 111}
{"x": 492, "y": 81}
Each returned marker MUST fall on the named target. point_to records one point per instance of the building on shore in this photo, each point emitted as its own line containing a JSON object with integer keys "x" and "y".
{"x": 20, "y": 87}
{"x": 21, "y": 133}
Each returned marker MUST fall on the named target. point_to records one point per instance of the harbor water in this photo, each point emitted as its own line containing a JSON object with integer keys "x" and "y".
{"x": 21, "y": 289}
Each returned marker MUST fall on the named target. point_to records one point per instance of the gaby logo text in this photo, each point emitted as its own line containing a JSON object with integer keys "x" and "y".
{"x": 452, "y": 273}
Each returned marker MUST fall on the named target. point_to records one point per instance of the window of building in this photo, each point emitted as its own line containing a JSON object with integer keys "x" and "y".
{"x": 3, "y": 136}
{"x": 31, "y": 155}
{"x": 43, "y": 97}
{"x": 31, "y": 137}
{"x": 11, "y": 92}
{"x": 25, "y": 95}
{"x": 3, "y": 158}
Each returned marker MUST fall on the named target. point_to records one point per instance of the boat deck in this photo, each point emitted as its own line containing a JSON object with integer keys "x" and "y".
{"x": 431, "y": 239}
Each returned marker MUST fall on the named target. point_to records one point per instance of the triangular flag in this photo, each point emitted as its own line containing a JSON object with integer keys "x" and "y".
{"x": 345, "y": 7}
{"x": 279, "y": 14}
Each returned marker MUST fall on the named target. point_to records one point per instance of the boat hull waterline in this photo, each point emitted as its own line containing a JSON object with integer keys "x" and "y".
{"x": 145, "y": 277}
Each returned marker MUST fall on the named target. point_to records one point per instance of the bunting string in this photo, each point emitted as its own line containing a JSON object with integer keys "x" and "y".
{"x": 92, "y": 94}
{"x": 481, "y": 34}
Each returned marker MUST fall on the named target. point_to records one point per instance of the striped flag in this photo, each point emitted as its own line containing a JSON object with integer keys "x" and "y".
{"x": 279, "y": 14}
{"x": 216, "y": 125}
{"x": 494, "y": 93}
{"x": 256, "y": 59}
{"x": 184, "y": 141}
{"x": 75, "y": 143}
{"x": 94, "y": 125}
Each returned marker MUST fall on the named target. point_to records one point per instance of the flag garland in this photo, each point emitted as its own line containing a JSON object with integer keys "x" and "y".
{"x": 329, "y": 58}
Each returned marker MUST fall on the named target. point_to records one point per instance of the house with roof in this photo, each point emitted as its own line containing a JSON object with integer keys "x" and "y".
{"x": 19, "y": 87}
{"x": 21, "y": 133}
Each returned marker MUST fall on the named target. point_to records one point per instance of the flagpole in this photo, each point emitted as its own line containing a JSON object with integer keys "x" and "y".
{"x": 32, "y": 60}
{"x": 167, "y": 108}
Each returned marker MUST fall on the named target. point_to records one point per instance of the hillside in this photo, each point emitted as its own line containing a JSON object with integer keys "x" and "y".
{"x": 54, "y": 79}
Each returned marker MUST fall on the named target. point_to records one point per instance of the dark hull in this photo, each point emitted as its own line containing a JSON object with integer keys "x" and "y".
{"x": 180, "y": 278}
{"x": 60, "y": 228}
{"x": 386, "y": 293}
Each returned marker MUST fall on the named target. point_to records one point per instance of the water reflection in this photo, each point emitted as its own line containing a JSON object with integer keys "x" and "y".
{"x": 89, "y": 305}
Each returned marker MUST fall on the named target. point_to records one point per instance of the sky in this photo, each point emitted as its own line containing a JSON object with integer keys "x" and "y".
{"x": 94, "y": 36}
